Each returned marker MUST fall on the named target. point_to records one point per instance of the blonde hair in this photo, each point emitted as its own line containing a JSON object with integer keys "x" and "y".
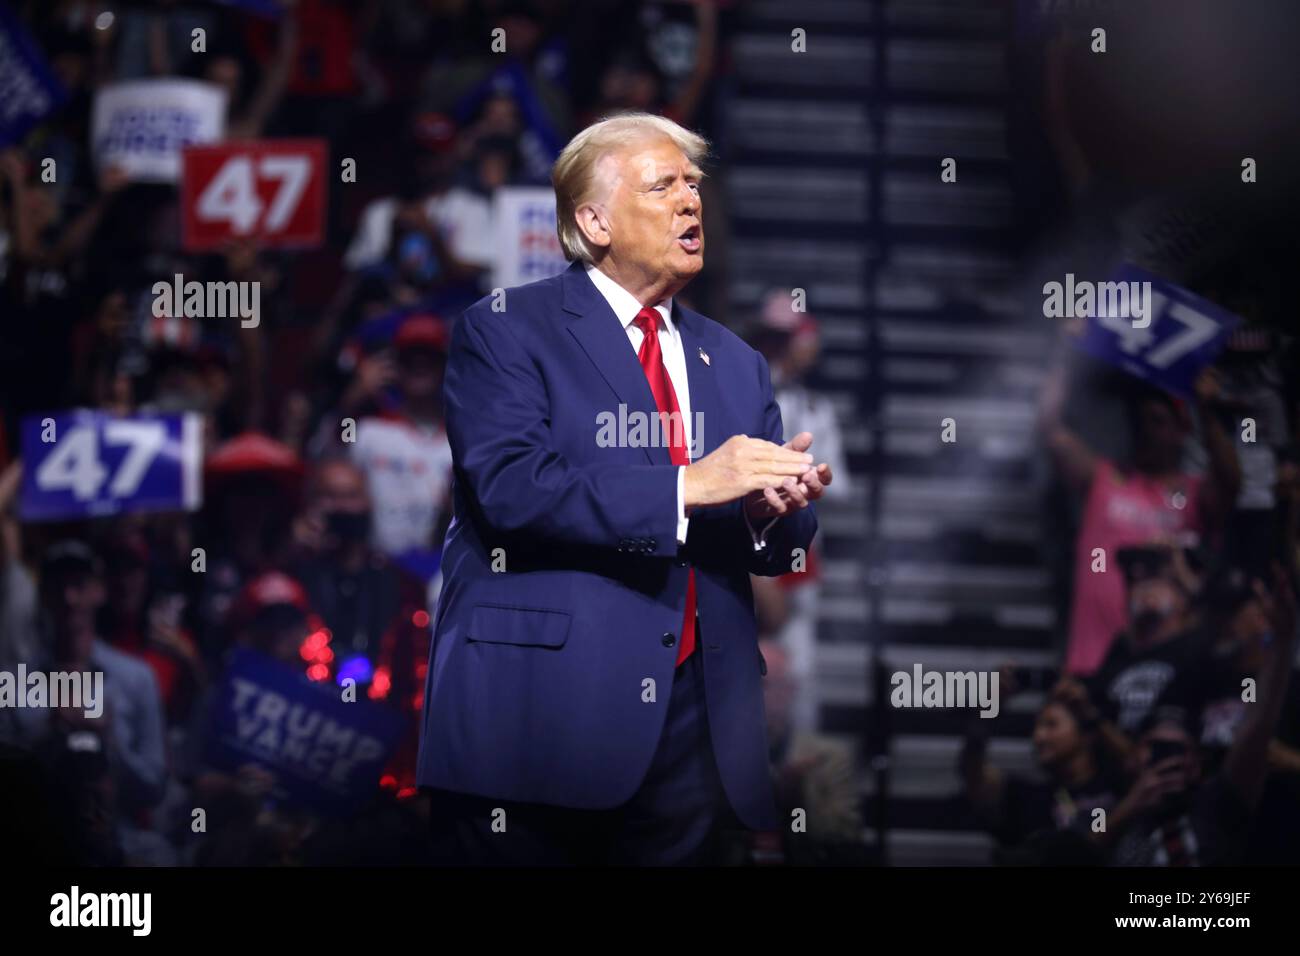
{"x": 574, "y": 172}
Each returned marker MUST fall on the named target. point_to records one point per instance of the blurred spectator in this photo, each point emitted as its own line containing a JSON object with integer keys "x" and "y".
{"x": 1154, "y": 499}
{"x": 249, "y": 479}
{"x": 123, "y": 771}
{"x": 1251, "y": 390}
{"x": 812, "y": 773}
{"x": 1052, "y": 820}
{"x": 403, "y": 450}
{"x": 365, "y": 602}
{"x": 633, "y": 82}
{"x": 245, "y": 826}
{"x": 1236, "y": 609}
{"x": 513, "y": 84}
{"x": 19, "y": 639}
{"x": 1163, "y": 654}
{"x": 431, "y": 229}
{"x": 1177, "y": 815}
{"x": 143, "y": 619}
{"x": 1236, "y": 619}
{"x": 78, "y": 259}
{"x": 790, "y": 342}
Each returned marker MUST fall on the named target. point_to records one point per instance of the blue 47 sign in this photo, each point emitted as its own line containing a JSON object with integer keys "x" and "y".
{"x": 1179, "y": 335}
{"x": 85, "y": 464}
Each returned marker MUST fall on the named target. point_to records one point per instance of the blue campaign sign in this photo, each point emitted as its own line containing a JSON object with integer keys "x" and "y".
{"x": 1159, "y": 332}
{"x": 86, "y": 464}
{"x": 29, "y": 91}
{"x": 325, "y": 752}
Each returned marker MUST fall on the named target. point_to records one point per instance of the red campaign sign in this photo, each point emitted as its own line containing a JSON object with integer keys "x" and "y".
{"x": 272, "y": 191}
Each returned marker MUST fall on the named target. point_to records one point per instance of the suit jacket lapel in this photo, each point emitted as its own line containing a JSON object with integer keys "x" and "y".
{"x": 701, "y": 379}
{"x": 603, "y": 338}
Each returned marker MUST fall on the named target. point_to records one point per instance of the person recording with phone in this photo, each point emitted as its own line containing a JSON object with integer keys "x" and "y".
{"x": 1176, "y": 815}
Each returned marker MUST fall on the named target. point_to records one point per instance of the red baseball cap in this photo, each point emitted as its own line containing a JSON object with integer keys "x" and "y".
{"x": 271, "y": 588}
{"x": 422, "y": 332}
{"x": 253, "y": 453}
{"x": 777, "y": 315}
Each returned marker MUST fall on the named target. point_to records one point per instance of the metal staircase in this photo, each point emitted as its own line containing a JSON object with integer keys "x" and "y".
{"x": 833, "y": 186}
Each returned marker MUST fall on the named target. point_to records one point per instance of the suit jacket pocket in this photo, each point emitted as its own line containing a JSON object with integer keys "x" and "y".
{"x": 520, "y": 626}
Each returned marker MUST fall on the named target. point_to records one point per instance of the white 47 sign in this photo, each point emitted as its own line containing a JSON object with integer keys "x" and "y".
{"x": 1181, "y": 334}
{"x": 1193, "y": 331}
{"x": 272, "y": 191}
{"x": 75, "y": 463}
{"x": 232, "y": 195}
{"x": 85, "y": 464}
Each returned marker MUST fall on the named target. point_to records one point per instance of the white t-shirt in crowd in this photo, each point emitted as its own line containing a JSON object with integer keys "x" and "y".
{"x": 408, "y": 469}
{"x": 464, "y": 218}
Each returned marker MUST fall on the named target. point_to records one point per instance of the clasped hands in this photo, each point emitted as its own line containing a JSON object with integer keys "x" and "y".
{"x": 771, "y": 479}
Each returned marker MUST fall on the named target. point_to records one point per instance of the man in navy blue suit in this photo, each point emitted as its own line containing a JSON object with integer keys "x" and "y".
{"x": 594, "y": 686}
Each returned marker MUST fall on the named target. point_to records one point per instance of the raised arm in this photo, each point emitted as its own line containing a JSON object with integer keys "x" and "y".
{"x": 1246, "y": 764}
{"x": 1076, "y": 460}
{"x": 1223, "y": 477}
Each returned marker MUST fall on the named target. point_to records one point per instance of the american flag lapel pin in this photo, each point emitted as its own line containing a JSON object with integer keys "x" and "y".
{"x": 704, "y": 356}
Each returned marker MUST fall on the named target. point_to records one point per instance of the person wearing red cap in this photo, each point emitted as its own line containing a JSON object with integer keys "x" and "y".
{"x": 403, "y": 451}
{"x": 790, "y": 342}
{"x": 272, "y": 614}
{"x": 252, "y": 485}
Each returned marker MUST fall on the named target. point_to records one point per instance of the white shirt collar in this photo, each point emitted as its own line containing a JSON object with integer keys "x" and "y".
{"x": 624, "y": 303}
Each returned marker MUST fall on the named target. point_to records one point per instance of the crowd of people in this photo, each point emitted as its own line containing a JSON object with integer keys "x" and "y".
{"x": 1171, "y": 734}
{"x": 326, "y": 470}
{"x": 325, "y": 467}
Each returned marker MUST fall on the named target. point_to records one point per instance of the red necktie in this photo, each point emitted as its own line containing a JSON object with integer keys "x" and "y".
{"x": 652, "y": 361}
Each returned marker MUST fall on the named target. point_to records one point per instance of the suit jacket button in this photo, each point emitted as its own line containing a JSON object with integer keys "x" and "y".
{"x": 669, "y": 639}
{"x": 651, "y": 544}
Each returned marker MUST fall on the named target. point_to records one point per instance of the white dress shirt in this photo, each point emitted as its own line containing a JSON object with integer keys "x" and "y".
{"x": 626, "y": 308}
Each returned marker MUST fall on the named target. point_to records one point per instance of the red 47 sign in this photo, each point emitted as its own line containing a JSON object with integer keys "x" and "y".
{"x": 272, "y": 191}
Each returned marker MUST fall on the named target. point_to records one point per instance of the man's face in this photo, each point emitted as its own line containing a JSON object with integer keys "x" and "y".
{"x": 341, "y": 487}
{"x": 1161, "y": 429}
{"x": 1152, "y": 602}
{"x": 1168, "y": 740}
{"x": 419, "y": 373}
{"x": 654, "y": 212}
{"x": 342, "y": 502}
{"x": 73, "y": 601}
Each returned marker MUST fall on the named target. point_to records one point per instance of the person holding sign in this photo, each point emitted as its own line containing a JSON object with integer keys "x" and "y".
{"x": 1151, "y": 499}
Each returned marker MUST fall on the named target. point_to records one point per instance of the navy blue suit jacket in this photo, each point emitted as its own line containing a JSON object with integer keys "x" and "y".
{"x": 536, "y": 689}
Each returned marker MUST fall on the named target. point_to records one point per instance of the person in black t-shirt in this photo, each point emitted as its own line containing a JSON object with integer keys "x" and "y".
{"x": 1176, "y": 815}
{"x": 1173, "y": 815}
{"x": 1236, "y": 611}
{"x": 1164, "y": 655}
{"x": 1047, "y": 820}
{"x": 1235, "y": 617}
